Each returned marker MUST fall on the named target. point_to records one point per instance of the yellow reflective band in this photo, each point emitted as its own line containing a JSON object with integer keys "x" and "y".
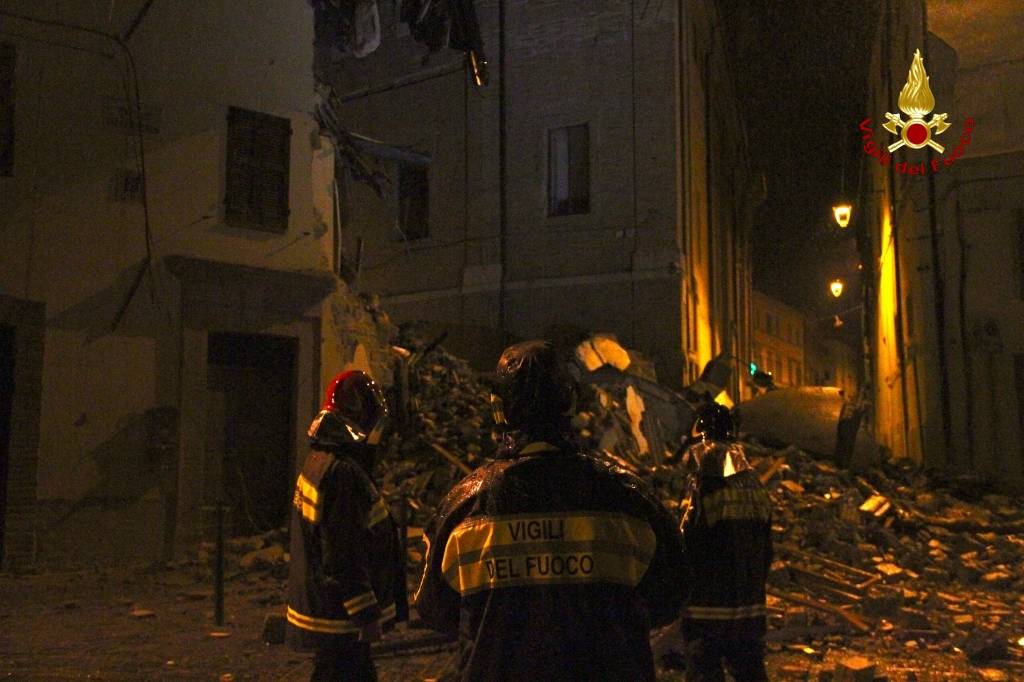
{"x": 308, "y": 490}
{"x": 737, "y": 504}
{"x": 331, "y": 626}
{"x": 326, "y": 625}
{"x": 556, "y": 548}
{"x": 724, "y": 612}
{"x": 357, "y": 604}
{"x": 378, "y": 512}
{"x": 307, "y": 499}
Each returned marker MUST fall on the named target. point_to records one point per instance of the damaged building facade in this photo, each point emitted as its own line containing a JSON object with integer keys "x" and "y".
{"x": 603, "y": 187}
{"x": 164, "y": 334}
{"x": 944, "y": 246}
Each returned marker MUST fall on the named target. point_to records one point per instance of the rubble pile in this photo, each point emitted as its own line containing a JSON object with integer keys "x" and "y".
{"x": 263, "y": 554}
{"x": 890, "y": 554}
{"x": 882, "y": 552}
{"x": 443, "y": 429}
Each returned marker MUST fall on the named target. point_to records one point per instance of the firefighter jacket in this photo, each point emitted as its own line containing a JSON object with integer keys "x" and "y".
{"x": 346, "y": 567}
{"x": 726, "y": 541}
{"x": 551, "y": 565}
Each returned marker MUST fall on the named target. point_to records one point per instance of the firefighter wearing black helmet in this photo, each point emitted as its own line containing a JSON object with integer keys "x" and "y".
{"x": 549, "y": 564}
{"x": 346, "y": 575}
{"x": 727, "y": 551}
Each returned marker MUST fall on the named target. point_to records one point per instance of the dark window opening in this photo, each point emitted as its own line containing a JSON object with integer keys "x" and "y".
{"x": 569, "y": 170}
{"x": 413, "y": 200}
{"x": 256, "y": 192}
{"x": 7, "y": 62}
{"x": 1020, "y": 251}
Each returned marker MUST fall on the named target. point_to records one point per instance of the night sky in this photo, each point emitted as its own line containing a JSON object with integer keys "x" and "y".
{"x": 801, "y": 70}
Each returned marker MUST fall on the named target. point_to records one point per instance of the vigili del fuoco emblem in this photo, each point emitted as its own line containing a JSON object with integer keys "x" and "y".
{"x": 916, "y": 101}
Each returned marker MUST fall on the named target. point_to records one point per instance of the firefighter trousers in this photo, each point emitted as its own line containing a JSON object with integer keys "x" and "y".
{"x": 348, "y": 659}
{"x": 744, "y": 657}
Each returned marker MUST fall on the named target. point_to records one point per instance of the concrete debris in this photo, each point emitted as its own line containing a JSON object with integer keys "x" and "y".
{"x": 142, "y": 613}
{"x": 855, "y": 669}
{"x": 809, "y": 418}
{"x": 600, "y": 350}
{"x": 269, "y": 556}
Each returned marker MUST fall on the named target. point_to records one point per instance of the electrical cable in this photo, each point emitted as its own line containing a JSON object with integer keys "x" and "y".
{"x": 132, "y": 74}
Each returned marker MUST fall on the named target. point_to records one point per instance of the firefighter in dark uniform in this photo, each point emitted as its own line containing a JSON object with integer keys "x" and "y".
{"x": 727, "y": 550}
{"x": 347, "y": 571}
{"x": 549, "y": 564}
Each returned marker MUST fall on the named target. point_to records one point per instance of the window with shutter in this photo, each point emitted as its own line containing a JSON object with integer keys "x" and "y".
{"x": 256, "y": 186}
{"x": 413, "y": 200}
{"x": 7, "y": 61}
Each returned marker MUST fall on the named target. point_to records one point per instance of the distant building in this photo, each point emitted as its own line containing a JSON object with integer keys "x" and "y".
{"x": 629, "y": 198}
{"x": 944, "y": 249}
{"x": 832, "y": 362}
{"x": 163, "y": 335}
{"x": 778, "y": 346}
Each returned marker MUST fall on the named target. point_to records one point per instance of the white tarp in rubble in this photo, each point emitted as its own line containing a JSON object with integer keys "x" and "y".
{"x": 600, "y": 350}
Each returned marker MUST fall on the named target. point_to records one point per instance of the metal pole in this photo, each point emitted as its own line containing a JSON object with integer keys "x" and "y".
{"x": 502, "y": 171}
{"x": 218, "y": 569}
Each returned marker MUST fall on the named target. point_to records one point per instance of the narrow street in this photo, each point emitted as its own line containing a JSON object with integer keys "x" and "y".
{"x": 576, "y": 317}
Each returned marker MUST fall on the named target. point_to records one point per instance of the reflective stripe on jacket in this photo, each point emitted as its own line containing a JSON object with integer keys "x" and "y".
{"x": 345, "y": 553}
{"x": 552, "y": 565}
{"x": 726, "y": 538}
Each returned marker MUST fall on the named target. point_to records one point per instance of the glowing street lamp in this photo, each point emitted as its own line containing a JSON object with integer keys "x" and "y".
{"x": 842, "y": 214}
{"x": 836, "y": 287}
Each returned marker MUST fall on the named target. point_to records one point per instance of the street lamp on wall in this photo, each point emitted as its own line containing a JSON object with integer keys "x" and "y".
{"x": 842, "y": 214}
{"x": 836, "y": 287}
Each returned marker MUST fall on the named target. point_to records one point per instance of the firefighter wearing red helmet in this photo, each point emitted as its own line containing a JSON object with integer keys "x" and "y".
{"x": 346, "y": 576}
{"x": 548, "y": 563}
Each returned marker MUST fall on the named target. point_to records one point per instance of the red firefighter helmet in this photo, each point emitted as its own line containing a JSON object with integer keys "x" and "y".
{"x": 354, "y": 411}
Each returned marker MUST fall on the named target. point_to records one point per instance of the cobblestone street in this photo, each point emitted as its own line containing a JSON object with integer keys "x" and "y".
{"x": 79, "y": 626}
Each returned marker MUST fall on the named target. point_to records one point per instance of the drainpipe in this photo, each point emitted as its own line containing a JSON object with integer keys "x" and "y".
{"x": 939, "y": 286}
{"x": 502, "y": 171}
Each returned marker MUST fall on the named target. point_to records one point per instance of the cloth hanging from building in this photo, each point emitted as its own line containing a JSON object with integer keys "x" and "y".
{"x": 445, "y": 23}
{"x": 366, "y": 33}
{"x": 346, "y": 26}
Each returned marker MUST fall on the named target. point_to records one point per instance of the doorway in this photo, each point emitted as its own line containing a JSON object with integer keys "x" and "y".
{"x": 6, "y": 401}
{"x": 251, "y": 391}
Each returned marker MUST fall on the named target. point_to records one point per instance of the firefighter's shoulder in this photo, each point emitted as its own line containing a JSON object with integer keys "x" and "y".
{"x": 471, "y": 486}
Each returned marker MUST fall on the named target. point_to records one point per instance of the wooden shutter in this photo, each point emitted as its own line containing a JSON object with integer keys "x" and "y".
{"x": 256, "y": 192}
{"x": 7, "y": 62}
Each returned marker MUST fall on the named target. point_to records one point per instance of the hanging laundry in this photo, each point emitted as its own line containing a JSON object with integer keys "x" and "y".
{"x": 428, "y": 22}
{"x": 346, "y": 27}
{"x": 366, "y": 28}
{"x": 448, "y": 23}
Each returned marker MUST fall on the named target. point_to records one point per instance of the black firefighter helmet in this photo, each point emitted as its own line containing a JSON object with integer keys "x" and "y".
{"x": 353, "y": 412}
{"x": 535, "y": 392}
{"x": 714, "y": 422}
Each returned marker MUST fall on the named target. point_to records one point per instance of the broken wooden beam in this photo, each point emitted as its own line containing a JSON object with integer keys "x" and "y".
{"x": 465, "y": 468}
{"x": 850, "y": 617}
